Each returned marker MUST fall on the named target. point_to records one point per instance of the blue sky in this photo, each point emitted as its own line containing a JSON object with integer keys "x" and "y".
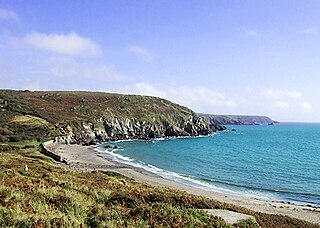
{"x": 222, "y": 57}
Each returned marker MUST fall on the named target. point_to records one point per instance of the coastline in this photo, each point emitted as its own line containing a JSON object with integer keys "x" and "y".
{"x": 84, "y": 158}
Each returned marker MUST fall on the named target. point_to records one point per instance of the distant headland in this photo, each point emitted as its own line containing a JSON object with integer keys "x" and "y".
{"x": 237, "y": 119}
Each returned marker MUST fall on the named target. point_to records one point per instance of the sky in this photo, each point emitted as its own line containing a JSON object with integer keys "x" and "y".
{"x": 219, "y": 57}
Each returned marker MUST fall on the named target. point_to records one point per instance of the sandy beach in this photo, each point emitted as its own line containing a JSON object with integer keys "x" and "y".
{"x": 85, "y": 158}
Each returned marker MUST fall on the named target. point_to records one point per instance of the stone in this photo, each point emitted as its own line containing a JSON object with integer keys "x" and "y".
{"x": 230, "y": 217}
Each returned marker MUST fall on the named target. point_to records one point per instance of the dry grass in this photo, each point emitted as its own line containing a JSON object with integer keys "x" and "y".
{"x": 45, "y": 115}
{"x": 29, "y": 120}
{"x": 49, "y": 196}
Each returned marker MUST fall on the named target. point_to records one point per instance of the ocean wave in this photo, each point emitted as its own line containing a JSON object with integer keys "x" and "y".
{"x": 116, "y": 157}
{"x": 187, "y": 180}
{"x": 270, "y": 191}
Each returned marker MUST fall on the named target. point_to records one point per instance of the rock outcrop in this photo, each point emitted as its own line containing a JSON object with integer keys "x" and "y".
{"x": 90, "y": 117}
{"x": 120, "y": 129}
{"x": 236, "y": 119}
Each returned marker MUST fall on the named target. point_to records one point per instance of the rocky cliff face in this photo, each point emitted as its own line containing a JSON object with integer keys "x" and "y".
{"x": 236, "y": 119}
{"x": 87, "y": 117}
{"x": 119, "y": 129}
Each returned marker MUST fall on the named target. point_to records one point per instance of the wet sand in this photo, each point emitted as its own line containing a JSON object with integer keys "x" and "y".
{"x": 84, "y": 158}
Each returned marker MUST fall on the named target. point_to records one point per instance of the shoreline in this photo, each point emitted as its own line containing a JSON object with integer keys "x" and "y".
{"x": 85, "y": 158}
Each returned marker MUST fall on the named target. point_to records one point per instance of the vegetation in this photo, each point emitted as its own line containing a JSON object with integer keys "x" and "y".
{"x": 26, "y": 115}
{"x": 49, "y": 196}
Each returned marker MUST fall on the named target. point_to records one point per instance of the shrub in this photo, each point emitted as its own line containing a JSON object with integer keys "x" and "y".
{"x": 15, "y": 138}
{"x": 3, "y": 138}
{"x": 124, "y": 199}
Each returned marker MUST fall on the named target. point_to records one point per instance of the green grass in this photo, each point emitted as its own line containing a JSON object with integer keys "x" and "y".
{"x": 50, "y": 196}
{"x": 47, "y": 196}
{"x": 26, "y": 115}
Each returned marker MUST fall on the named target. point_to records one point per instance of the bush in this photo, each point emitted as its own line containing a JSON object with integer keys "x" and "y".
{"x": 28, "y": 146}
{"x": 5, "y": 131}
{"x": 8, "y": 148}
{"x": 124, "y": 199}
{"x": 3, "y": 138}
{"x": 15, "y": 138}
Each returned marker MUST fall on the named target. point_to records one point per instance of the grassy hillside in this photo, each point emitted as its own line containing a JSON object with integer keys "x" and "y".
{"x": 82, "y": 116}
{"x": 49, "y": 196}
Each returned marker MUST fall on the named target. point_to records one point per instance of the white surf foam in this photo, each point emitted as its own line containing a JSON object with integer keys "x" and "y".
{"x": 176, "y": 177}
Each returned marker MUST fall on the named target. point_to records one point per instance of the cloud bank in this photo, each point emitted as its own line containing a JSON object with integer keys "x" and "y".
{"x": 285, "y": 99}
{"x": 308, "y": 31}
{"x": 200, "y": 99}
{"x": 69, "y": 44}
{"x": 8, "y": 15}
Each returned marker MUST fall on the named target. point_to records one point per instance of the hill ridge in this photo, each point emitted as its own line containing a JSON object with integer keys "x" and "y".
{"x": 85, "y": 117}
{"x": 237, "y": 119}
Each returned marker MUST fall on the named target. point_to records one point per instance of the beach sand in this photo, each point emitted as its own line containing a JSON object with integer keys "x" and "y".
{"x": 84, "y": 158}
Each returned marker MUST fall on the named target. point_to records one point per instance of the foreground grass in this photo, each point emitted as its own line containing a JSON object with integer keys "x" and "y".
{"x": 49, "y": 196}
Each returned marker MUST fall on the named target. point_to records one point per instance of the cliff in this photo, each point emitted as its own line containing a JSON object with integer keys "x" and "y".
{"x": 236, "y": 119}
{"x": 90, "y": 117}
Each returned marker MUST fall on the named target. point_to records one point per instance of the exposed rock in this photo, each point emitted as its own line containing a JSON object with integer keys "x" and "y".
{"x": 218, "y": 127}
{"x": 230, "y": 217}
{"x": 88, "y": 118}
{"x": 236, "y": 119}
{"x": 119, "y": 129}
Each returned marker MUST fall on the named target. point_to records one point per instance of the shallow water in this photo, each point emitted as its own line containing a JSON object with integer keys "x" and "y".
{"x": 280, "y": 162}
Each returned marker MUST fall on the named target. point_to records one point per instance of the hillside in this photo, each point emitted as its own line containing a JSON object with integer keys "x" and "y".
{"x": 90, "y": 117}
{"x": 236, "y": 119}
{"x": 47, "y": 195}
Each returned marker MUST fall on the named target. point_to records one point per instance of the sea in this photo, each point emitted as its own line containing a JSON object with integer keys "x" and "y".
{"x": 278, "y": 162}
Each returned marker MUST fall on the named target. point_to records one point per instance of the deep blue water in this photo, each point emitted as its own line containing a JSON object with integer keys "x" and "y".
{"x": 280, "y": 162}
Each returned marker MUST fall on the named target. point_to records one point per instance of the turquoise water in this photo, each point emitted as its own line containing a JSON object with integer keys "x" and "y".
{"x": 280, "y": 162}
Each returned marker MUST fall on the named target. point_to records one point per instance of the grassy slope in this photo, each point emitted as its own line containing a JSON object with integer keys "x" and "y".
{"x": 51, "y": 111}
{"x": 48, "y": 195}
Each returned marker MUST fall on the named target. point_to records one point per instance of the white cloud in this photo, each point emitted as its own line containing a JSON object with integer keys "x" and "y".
{"x": 281, "y": 104}
{"x": 249, "y": 32}
{"x": 308, "y": 31}
{"x": 294, "y": 94}
{"x": 281, "y": 94}
{"x": 197, "y": 98}
{"x": 60, "y": 73}
{"x": 292, "y": 99}
{"x": 252, "y": 33}
{"x": 81, "y": 72}
{"x": 8, "y": 15}
{"x": 143, "y": 53}
{"x": 306, "y": 106}
{"x": 69, "y": 44}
